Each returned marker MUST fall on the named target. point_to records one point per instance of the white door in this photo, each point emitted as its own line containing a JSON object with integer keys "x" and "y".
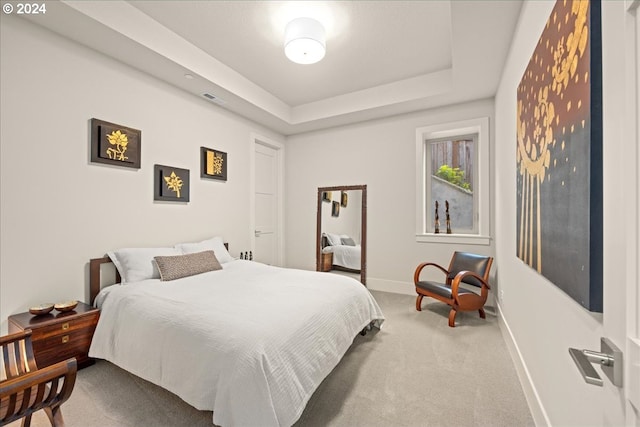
{"x": 632, "y": 348}
{"x": 266, "y": 202}
{"x": 621, "y": 310}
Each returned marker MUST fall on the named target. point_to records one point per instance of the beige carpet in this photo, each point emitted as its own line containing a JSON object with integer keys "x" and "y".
{"x": 416, "y": 371}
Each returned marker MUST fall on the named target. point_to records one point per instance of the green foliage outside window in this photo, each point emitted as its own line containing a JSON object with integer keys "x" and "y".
{"x": 453, "y": 175}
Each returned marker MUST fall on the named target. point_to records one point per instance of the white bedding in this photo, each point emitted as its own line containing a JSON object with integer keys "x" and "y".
{"x": 345, "y": 256}
{"x": 250, "y": 342}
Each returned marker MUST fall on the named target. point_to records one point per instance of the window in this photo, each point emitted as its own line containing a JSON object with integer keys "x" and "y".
{"x": 452, "y": 163}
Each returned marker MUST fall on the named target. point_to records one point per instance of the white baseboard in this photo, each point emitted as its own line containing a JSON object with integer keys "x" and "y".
{"x": 538, "y": 413}
{"x": 406, "y": 288}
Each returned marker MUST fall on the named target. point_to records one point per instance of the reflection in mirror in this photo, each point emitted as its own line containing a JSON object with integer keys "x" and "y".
{"x": 341, "y": 230}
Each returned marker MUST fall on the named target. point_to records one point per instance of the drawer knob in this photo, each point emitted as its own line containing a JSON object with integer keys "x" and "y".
{"x": 65, "y": 326}
{"x": 65, "y": 339}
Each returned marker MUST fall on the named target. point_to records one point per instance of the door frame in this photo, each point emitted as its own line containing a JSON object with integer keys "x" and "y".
{"x": 631, "y": 132}
{"x": 257, "y": 139}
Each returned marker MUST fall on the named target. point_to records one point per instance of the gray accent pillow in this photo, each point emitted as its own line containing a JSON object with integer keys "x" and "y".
{"x": 348, "y": 241}
{"x": 178, "y": 266}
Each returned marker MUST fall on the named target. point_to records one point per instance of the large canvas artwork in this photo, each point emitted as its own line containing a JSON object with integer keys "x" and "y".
{"x": 559, "y": 154}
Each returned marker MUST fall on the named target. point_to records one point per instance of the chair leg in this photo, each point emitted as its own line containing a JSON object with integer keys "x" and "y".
{"x": 419, "y": 302}
{"x": 55, "y": 416}
{"x": 452, "y": 317}
{"x": 26, "y": 421}
{"x": 482, "y": 315}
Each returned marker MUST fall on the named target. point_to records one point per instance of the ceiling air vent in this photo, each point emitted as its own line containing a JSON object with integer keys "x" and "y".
{"x": 213, "y": 98}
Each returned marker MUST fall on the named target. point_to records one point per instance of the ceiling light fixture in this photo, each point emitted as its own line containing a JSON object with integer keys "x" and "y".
{"x": 304, "y": 41}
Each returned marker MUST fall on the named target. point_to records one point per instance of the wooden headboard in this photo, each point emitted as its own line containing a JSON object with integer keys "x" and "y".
{"x": 95, "y": 275}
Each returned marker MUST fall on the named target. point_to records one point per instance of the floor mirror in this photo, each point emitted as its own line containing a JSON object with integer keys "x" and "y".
{"x": 341, "y": 230}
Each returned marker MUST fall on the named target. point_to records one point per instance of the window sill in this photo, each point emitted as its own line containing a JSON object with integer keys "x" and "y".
{"x": 464, "y": 239}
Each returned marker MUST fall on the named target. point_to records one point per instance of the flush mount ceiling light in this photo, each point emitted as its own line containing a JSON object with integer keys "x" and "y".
{"x": 304, "y": 41}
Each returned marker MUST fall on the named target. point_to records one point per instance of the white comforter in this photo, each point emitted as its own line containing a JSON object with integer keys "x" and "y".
{"x": 345, "y": 256}
{"x": 250, "y": 342}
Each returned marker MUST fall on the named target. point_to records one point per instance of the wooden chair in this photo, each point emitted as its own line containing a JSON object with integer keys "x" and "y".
{"x": 464, "y": 267}
{"x": 28, "y": 389}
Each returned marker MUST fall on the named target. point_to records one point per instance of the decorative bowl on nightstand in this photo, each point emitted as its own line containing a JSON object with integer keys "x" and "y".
{"x": 41, "y": 309}
{"x": 66, "y": 306}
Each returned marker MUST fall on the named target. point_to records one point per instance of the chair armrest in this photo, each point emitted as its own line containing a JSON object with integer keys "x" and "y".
{"x": 416, "y": 275}
{"x": 66, "y": 370}
{"x": 8, "y": 339}
{"x": 455, "y": 284}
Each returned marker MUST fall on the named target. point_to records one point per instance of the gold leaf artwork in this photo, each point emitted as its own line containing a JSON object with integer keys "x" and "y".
{"x": 120, "y": 141}
{"x": 174, "y": 183}
{"x": 214, "y": 163}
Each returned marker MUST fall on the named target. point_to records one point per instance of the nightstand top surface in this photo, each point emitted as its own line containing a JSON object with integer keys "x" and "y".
{"x": 27, "y": 320}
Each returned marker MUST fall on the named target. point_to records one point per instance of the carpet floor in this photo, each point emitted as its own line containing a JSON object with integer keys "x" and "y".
{"x": 415, "y": 371}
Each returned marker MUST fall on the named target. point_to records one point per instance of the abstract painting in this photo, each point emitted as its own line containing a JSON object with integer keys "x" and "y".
{"x": 559, "y": 154}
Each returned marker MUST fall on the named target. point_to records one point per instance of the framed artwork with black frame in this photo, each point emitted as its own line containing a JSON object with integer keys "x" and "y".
{"x": 344, "y": 199}
{"x": 115, "y": 145}
{"x": 326, "y": 196}
{"x": 170, "y": 184}
{"x": 335, "y": 208}
{"x": 213, "y": 164}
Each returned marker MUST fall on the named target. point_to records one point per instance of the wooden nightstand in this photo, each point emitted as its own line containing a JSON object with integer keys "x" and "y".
{"x": 59, "y": 336}
{"x": 327, "y": 261}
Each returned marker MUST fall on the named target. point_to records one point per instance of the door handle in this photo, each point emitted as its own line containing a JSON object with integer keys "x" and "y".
{"x": 257, "y": 233}
{"x": 609, "y": 357}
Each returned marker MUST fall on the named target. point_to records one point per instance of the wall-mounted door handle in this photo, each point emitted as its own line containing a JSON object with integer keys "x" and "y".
{"x": 609, "y": 357}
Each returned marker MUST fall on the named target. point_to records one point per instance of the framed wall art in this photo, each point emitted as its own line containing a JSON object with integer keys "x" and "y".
{"x": 335, "y": 208}
{"x": 559, "y": 154}
{"x": 344, "y": 199}
{"x": 213, "y": 164}
{"x": 326, "y": 196}
{"x": 170, "y": 184}
{"x": 114, "y": 144}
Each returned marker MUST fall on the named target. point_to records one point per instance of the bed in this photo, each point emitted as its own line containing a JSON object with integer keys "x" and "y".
{"x": 346, "y": 253}
{"x": 250, "y": 342}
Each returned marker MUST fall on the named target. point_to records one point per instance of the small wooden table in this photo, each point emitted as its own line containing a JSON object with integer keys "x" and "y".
{"x": 58, "y": 336}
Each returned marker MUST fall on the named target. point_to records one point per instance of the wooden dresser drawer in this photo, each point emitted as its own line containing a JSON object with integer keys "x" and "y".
{"x": 62, "y": 328}
{"x": 57, "y": 337}
{"x": 50, "y": 348}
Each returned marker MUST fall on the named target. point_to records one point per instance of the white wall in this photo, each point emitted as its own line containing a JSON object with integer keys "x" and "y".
{"x": 543, "y": 320}
{"x": 380, "y": 154}
{"x": 57, "y": 209}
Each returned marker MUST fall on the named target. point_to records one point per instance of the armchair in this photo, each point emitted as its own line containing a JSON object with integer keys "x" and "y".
{"x": 464, "y": 268}
{"x": 25, "y": 389}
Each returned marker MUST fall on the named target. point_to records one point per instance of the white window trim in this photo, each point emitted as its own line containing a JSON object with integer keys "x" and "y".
{"x": 478, "y": 126}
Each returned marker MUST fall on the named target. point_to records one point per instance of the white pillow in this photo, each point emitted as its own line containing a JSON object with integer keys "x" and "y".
{"x": 346, "y": 240}
{"x": 334, "y": 239}
{"x": 214, "y": 244}
{"x": 136, "y": 264}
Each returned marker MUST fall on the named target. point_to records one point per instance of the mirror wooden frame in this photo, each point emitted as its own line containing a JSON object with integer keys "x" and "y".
{"x": 363, "y": 225}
